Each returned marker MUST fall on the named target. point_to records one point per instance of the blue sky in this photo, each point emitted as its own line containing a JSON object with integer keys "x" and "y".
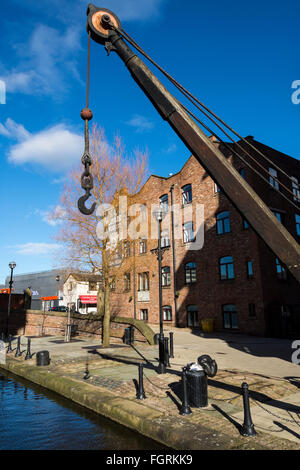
{"x": 240, "y": 59}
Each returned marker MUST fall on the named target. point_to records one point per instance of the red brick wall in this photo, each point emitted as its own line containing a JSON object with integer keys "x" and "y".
{"x": 209, "y": 293}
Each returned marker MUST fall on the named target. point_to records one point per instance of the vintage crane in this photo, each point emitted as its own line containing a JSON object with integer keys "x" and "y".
{"x": 104, "y": 27}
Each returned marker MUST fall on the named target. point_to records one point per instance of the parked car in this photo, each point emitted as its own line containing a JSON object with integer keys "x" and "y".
{"x": 60, "y": 308}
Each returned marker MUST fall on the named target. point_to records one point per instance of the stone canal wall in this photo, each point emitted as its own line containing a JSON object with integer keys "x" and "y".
{"x": 40, "y": 323}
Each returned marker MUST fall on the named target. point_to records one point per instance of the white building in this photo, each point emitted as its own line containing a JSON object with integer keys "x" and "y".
{"x": 80, "y": 291}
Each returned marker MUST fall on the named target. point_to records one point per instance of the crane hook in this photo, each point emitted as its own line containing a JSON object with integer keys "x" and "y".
{"x": 81, "y": 204}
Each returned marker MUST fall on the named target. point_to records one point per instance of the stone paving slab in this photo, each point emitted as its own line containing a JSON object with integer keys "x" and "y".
{"x": 114, "y": 372}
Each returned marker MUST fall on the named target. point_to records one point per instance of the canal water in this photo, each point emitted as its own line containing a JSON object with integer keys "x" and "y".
{"x": 33, "y": 418}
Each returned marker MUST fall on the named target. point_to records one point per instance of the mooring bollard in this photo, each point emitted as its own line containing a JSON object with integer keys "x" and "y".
{"x": 166, "y": 359}
{"x": 161, "y": 369}
{"x": 171, "y": 344}
{"x": 28, "y": 352}
{"x": 185, "y": 408}
{"x": 18, "y": 351}
{"x": 87, "y": 372}
{"x": 248, "y": 426}
{"x": 141, "y": 392}
{"x": 9, "y": 348}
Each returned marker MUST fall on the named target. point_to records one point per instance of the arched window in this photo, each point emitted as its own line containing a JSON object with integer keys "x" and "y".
{"x": 226, "y": 268}
{"x": 167, "y": 313}
{"x": 166, "y": 276}
{"x": 230, "y": 316}
{"x": 192, "y": 316}
{"x": 190, "y": 273}
{"x": 223, "y": 222}
{"x": 164, "y": 202}
{"x": 186, "y": 194}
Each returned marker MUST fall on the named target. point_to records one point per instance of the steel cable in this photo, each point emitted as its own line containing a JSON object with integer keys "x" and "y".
{"x": 194, "y": 101}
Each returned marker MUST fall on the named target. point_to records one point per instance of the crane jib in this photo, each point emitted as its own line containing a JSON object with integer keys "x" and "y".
{"x": 238, "y": 191}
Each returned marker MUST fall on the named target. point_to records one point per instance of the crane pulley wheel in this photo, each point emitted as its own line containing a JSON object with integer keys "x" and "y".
{"x": 98, "y": 23}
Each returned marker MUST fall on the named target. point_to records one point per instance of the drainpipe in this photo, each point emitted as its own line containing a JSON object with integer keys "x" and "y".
{"x": 134, "y": 282}
{"x": 173, "y": 257}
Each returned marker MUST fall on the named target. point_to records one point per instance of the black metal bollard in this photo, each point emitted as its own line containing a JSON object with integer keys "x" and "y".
{"x": 18, "y": 351}
{"x": 185, "y": 408}
{"x": 161, "y": 366}
{"x": 141, "y": 392}
{"x": 171, "y": 344}
{"x": 166, "y": 346}
{"x": 28, "y": 352}
{"x": 87, "y": 372}
{"x": 9, "y": 348}
{"x": 248, "y": 426}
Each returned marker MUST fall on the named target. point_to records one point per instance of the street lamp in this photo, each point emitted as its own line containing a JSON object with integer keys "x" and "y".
{"x": 12, "y": 266}
{"x": 57, "y": 280}
{"x": 159, "y": 215}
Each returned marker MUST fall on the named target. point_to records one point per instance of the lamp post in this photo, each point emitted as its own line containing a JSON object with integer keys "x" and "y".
{"x": 57, "y": 280}
{"x": 159, "y": 215}
{"x": 12, "y": 266}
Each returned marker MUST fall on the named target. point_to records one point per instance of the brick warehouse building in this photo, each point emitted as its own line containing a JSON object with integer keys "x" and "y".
{"x": 234, "y": 278}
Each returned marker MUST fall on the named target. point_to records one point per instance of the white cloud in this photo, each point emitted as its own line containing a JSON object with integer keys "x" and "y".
{"x": 36, "y": 248}
{"x": 52, "y": 217}
{"x": 55, "y": 149}
{"x": 171, "y": 149}
{"x": 141, "y": 123}
{"x": 47, "y": 62}
{"x": 13, "y": 130}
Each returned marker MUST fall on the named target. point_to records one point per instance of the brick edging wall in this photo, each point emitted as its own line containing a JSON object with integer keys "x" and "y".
{"x": 38, "y": 323}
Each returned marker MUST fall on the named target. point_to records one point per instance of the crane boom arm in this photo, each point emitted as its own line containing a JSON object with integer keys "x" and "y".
{"x": 238, "y": 191}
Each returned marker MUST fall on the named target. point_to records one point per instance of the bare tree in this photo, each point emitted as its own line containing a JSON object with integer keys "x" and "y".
{"x": 115, "y": 174}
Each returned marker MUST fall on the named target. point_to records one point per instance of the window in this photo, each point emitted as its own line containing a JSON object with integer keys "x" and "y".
{"x": 167, "y": 313}
{"x": 190, "y": 273}
{"x": 296, "y": 188}
{"x": 164, "y": 202}
{"x": 144, "y": 281}
{"x": 112, "y": 283}
{"x": 216, "y": 188}
{"x": 127, "y": 249}
{"x": 297, "y": 217}
{"x": 92, "y": 285}
{"x": 192, "y": 316}
{"x": 242, "y": 173}
{"x": 279, "y": 216}
{"x": 252, "y": 313}
{"x": 230, "y": 316}
{"x": 249, "y": 269}
{"x": 281, "y": 271}
{"x": 187, "y": 194}
{"x": 165, "y": 238}
{"x": 223, "y": 223}
{"x": 245, "y": 224}
{"x": 143, "y": 246}
{"x": 165, "y": 276}
{"x": 127, "y": 283}
{"x": 226, "y": 268}
{"x": 273, "y": 182}
{"x": 144, "y": 314}
{"x": 188, "y": 232}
